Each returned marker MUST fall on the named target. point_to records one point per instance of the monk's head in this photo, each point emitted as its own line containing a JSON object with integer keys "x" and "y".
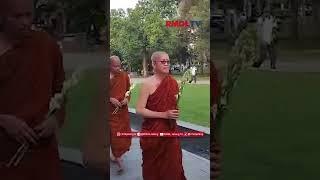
{"x": 160, "y": 62}
{"x": 16, "y": 17}
{"x": 115, "y": 64}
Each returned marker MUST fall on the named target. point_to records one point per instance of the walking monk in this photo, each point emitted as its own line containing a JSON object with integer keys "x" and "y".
{"x": 119, "y": 119}
{"x": 31, "y": 72}
{"x": 162, "y": 157}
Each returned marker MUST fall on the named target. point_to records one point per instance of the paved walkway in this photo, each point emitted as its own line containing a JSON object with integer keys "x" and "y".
{"x": 195, "y": 167}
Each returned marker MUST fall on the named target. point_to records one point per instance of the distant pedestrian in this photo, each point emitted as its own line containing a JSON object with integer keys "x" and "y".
{"x": 193, "y": 70}
{"x": 266, "y": 27}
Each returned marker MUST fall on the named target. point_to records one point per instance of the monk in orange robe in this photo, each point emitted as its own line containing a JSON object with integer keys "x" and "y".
{"x": 118, "y": 111}
{"x": 162, "y": 157}
{"x": 31, "y": 72}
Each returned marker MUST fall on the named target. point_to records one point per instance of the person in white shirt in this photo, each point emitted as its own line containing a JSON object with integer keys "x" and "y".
{"x": 193, "y": 70}
{"x": 265, "y": 29}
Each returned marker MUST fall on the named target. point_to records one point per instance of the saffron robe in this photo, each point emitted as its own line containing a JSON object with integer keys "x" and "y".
{"x": 162, "y": 157}
{"x": 214, "y": 84}
{"x": 30, "y": 74}
{"x": 215, "y": 149}
{"x": 119, "y": 122}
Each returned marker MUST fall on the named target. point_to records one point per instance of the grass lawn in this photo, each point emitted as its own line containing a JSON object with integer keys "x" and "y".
{"x": 204, "y": 77}
{"x": 79, "y": 108}
{"x": 194, "y": 104}
{"x": 287, "y": 51}
{"x": 272, "y": 131}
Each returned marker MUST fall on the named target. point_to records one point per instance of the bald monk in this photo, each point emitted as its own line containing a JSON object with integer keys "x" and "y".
{"x": 31, "y": 72}
{"x": 157, "y": 103}
{"x": 215, "y": 149}
{"x": 119, "y": 122}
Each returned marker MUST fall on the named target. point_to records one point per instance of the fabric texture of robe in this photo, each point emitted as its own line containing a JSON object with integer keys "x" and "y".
{"x": 215, "y": 149}
{"x": 119, "y": 122}
{"x": 214, "y": 85}
{"x": 162, "y": 157}
{"x": 31, "y": 73}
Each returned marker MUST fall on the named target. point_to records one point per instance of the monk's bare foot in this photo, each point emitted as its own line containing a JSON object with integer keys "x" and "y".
{"x": 120, "y": 165}
{"x": 112, "y": 158}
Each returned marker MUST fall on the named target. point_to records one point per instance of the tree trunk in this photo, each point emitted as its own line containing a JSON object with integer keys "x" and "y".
{"x": 144, "y": 63}
{"x": 64, "y": 22}
{"x": 258, "y": 6}
{"x": 316, "y": 14}
{"x": 204, "y": 59}
{"x": 295, "y": 23}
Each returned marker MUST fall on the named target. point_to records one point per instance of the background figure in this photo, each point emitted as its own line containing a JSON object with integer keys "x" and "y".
{"x": 266, "y": 28}
{"x": 31, "y": 73}
{"x": 193, "y": 70}
{"x": 118, "y": 119}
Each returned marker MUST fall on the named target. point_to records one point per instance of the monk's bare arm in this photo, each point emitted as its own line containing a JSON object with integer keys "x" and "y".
{"x": 142, "y": 101}
{"x": 129, "y": 84}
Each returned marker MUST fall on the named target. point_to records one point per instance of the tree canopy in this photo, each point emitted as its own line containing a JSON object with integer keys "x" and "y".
{"x": 136, "y": 33}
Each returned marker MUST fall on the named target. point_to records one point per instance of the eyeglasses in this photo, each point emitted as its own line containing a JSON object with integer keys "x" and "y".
{"x": 164, "y": 62}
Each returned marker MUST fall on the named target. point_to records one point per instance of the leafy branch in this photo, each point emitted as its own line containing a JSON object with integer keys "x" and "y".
{"x": 243, "y": 54}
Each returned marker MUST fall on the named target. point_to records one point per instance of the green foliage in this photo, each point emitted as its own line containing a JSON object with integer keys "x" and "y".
{"x": 243, "y": 53}
{"x": 185, "y": 78}
{"x": 80, "y": 14}
{"x": 137, "y": 32}
{"x": 201, "y": 37}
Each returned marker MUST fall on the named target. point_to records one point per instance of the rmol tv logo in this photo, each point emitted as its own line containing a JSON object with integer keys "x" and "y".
{"x": 192, "y": 23}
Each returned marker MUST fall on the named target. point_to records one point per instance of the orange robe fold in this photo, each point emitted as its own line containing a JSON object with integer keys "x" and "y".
{"x": 214, "y": 85}
{"x": 215, "y": 147}
{"x": 30, "y": 74}
{"x": 162, "y": 157}
{"x": 120, "y": 121}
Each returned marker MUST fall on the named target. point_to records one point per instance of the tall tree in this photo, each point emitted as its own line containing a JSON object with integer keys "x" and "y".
{"x": 201, "y": 11}
{"x": 143, "y": 30}
{"x": 316, "y": 13}
{"x": 295, "y": 22}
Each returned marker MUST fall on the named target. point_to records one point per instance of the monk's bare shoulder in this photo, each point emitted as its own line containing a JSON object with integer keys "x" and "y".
{"x": 149, "y": 80}
{"x": 147, "y": 83}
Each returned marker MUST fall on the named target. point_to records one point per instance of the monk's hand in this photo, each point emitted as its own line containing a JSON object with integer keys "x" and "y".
{"x": 18, "y": 129}
{"x": 172, "y": 114}
{"x": 124, "y": 102}
{"x": 115, "y": 102}
{"x": 48, "y": 127}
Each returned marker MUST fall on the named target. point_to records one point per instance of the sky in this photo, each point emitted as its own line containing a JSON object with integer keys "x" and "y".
{"x": 124, "y": 4}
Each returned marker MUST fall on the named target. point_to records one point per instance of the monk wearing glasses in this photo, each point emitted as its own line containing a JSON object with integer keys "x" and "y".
{"x": 157, "y": 104}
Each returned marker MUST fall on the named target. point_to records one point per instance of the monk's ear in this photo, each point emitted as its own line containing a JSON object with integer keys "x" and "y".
{"x": 153, "y": 64}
